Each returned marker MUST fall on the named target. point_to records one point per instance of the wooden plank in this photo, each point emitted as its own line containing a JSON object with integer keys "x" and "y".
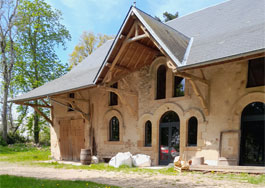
{"x": 65, "y": 140}
{"x": 136, "y": 38}
{"x": 77, "y": 137}
{"x": 147, "y": 48}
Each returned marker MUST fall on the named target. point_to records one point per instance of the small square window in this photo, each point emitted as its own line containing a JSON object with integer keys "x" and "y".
{"x": 256, "y": 72}
{"x": 179, "y": 86}
{"x": 70, "y": 108}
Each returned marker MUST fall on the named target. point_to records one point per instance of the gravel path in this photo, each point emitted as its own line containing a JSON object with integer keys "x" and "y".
{"x": 121, "y": 179}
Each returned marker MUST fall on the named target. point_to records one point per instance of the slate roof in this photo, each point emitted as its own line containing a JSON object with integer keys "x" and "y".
{"x": 80, "y": 76}
{"x": 229, "y": 29}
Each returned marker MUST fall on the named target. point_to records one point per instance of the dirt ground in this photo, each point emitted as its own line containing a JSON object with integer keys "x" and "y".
{"x": 121, "y": 179}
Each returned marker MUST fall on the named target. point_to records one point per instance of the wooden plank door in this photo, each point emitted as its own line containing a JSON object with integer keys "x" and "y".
{"x": 65, "y": 140}
{"x": 77, "y": 137}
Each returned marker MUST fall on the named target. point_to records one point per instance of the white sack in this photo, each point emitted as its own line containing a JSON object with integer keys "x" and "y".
{"x": 94, "y": 160}
{"x": 141, "y": 160}
{"x": 121, "y": 159}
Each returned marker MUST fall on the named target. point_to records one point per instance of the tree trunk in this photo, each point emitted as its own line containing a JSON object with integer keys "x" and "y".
{"x": 36, "y": 129}
{"x": 4, "y": 112}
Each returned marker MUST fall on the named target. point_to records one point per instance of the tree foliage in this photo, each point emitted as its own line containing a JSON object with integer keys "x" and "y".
{"x": 40, "y": 32}
{"x": 87, "y": 44}
{"x": 168, "y": 16}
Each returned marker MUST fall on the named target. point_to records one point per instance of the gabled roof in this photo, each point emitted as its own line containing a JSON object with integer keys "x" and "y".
{"x": 227, "y": 30}
{"x": 174, "y": 43}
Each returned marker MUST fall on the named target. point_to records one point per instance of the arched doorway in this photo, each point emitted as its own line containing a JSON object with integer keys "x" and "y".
{"x": 252, "y": 135}
{"x": 169, "y": 137}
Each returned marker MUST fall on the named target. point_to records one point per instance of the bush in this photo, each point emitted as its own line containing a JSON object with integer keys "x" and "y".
{"x": 13, "y": 138}
{"x": 2, "y": 142}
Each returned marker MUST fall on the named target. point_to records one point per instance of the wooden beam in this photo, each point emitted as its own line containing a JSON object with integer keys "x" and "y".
{"x": 139, "y": 37}
{"x": 122, "y": 68}
{"x": 136, "y": 30}
{"x": 44, "y": 102}
{"x": 199, "y": 94}
{"x": 42, "y": 114}
{"x": 192, "y": 77}
{"x": 74, "y": 107}
{"x": 34, "y": 105}
{"x": 116, "y": 90}
{"x": 73, "y": 99}
{"x": 108, "y": 76}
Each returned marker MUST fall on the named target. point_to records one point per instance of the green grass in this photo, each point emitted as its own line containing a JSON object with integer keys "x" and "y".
{"x": 106, "y": 167}
{"x": 241, "y": 177}
{"x": 28, "y": 154}
{"x": 23, "y": 153}
{"x": 22, "y": 182}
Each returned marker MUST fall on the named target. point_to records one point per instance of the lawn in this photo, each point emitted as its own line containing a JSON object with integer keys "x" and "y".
{"x": 24, "y": 153}
{"x": 27, "y": 154}
{"x": 22, "y": 182}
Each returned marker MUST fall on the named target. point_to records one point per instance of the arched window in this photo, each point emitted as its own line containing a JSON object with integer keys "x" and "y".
{"x": 161, "y": 82}
{"x": 114, "y": 132}
{"x": 148, "y": 134}
{"x": 192, "y": 131}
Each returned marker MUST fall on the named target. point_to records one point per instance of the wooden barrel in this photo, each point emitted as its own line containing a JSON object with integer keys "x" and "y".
{"x": 85, "y": 156}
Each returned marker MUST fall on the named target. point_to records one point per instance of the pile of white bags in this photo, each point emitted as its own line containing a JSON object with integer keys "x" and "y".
{"x": 139, "y": 160}
{"x": 121, "y": 159}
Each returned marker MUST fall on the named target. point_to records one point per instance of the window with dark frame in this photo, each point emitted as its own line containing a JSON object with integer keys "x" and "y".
{"x": 113, "y": 98}
{"x": 114, "y": 130}
{"x": 256, "y": 72}
{"x": 161, "y": 82}
{"x": 70, "y": 108}
{"x": 192, "y": 131}
{"x": 179, "y": 86}
{"x": 148, "y": 134}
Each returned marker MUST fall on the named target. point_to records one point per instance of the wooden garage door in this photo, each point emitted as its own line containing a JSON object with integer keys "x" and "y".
{"x": 72, "y": 139}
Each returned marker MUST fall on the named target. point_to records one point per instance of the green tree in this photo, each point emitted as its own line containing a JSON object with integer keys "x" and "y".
{"x": 168, "y": 16}
{"x": 40, "y": 31}
{"x": 8, "y": 11}
{"x": 87, "y": 44}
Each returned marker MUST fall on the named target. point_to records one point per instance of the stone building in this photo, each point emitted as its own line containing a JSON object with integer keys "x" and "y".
{"x": 193, "y": 86}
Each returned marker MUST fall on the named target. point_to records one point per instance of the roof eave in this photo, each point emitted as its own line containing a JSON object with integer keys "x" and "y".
{"x": 221, "y": 60}
{"x": 52, "y": 94}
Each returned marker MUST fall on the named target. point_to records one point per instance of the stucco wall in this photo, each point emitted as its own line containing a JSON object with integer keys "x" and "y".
{"x": 227, "y": 94}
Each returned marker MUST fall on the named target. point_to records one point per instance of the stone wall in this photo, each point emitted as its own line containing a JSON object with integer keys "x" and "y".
{"x": 227, "y": 96}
